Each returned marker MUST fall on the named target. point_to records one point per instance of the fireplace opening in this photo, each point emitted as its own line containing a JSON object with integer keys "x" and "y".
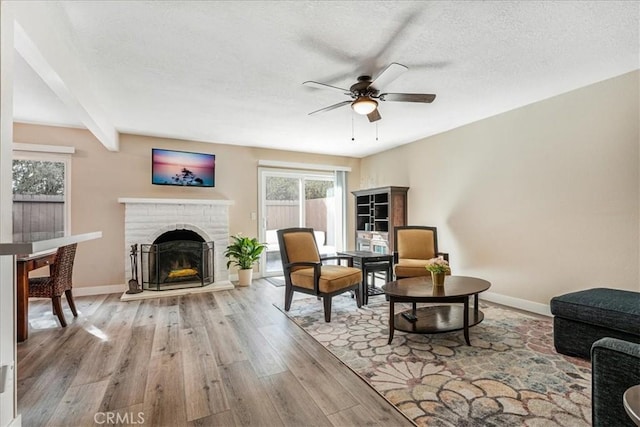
{"x": 177, "y": 259}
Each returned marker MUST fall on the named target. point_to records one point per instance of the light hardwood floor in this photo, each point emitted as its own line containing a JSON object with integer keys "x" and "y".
{"x": 225, "y": 358}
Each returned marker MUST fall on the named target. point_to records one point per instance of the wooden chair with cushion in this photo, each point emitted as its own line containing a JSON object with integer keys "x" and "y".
{"x": 57, "y": 283}
{"x": 304, "y": 271}
{"x": 414, "y": 245}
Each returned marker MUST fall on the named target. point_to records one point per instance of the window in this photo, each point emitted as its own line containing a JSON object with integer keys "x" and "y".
{"x": 40, "y": 195}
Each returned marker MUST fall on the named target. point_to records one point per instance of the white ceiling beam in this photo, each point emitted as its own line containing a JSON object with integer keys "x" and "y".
{"x": 43, "y": 40}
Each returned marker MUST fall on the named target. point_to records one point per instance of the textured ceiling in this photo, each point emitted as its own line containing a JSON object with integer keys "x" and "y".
{"x": 232, "y": 72}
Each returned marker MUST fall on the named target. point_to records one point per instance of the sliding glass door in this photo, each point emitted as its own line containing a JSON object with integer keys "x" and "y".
{"x": 296, "y": 199}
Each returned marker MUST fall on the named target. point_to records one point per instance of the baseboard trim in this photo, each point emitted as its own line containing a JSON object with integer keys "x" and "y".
{"x": 522, "y": 304}
{"x": 99, "y": 290}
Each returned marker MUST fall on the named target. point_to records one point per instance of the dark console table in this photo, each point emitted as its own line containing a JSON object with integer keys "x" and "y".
{"x": 371, "y": 262}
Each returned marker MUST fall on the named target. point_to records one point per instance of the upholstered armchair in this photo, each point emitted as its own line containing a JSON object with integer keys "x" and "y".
{"x": 57, "y": 283}
{"x": 304, "y": 270}
{"x": 414, "y": 245}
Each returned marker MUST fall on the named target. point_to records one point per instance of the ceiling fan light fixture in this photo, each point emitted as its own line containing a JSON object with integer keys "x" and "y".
{"x": 364, "y": 105}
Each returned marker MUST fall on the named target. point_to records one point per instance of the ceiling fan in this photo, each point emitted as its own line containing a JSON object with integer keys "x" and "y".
{"x": 365, "y": 93}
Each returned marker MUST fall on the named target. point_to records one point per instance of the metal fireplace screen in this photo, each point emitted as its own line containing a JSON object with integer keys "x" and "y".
{"x": 176, "y": 264}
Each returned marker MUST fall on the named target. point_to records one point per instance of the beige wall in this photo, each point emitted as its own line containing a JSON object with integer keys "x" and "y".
{"x": 541, "y": 200}
{"x": 100, "y": 177}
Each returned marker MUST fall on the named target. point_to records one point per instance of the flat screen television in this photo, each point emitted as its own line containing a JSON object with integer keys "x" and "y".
{"x": 183, "y": 168}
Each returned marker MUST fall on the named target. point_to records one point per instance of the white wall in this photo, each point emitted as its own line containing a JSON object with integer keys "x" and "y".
{"x": 541, "y": 200}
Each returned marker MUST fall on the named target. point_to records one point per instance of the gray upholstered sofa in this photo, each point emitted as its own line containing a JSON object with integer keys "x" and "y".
{"x": 615, "y": 366}
{"x": 581, "y": 318}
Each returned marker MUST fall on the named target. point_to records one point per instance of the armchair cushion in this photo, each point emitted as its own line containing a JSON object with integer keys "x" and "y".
{"x": 301, "y": 247}
{"x": 332, "y": 277}
{"x": 411, "y": 267}
{"x": 416, "y": 244}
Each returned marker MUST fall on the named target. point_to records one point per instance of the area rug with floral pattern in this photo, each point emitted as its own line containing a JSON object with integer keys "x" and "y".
{"x": 509, "y": 376}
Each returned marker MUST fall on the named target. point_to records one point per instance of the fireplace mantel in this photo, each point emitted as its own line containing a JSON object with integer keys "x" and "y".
{"x": 126, "y": 200}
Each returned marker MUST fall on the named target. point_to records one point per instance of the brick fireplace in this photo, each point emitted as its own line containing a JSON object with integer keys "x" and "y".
{"x": 147, "y": 219}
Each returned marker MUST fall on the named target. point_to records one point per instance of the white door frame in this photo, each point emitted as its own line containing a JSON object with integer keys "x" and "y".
{"x": 8, "y": 398}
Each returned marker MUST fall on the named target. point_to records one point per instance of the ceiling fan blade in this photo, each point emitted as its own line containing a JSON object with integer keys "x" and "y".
{"x": 374, "y": 116}
{"x": 326, "y": 86}
{"x": 408, "y": 97}
{"x": 389, "y": 74}
{"x": 331, "y": 107}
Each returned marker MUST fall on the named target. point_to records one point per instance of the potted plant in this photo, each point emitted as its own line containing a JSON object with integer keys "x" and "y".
{"x": 244, "y": 252}
{"x": 438, "y": 268}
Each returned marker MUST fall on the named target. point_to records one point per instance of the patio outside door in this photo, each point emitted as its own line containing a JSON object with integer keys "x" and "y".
{"x": 295, "y": 199}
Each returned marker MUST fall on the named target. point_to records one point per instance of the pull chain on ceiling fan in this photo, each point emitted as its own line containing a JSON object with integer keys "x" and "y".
{"x": 365, "y": 93}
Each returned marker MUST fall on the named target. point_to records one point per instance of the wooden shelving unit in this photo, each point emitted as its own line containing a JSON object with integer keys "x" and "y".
{"x": 378, "y": 211}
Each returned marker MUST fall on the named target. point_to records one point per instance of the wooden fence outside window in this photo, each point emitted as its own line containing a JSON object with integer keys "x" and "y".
{"x": 35, "y": 214}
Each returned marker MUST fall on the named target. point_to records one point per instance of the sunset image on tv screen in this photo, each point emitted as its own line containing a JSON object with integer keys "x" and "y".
{"x": 183, "y": 168}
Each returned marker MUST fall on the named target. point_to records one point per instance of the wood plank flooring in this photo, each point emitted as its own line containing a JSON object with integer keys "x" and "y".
{"x": 226, "y": 358}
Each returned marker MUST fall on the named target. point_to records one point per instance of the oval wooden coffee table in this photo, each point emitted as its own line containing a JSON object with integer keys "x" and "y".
{"x": 437, "y": 318}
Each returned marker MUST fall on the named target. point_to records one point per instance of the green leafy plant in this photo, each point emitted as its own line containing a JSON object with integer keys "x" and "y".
{"x": 438, "y": 265}
{"x": 244, "y": 251}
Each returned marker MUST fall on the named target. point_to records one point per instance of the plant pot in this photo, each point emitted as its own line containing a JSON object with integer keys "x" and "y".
{"x": 438, "y": 290}
{"x": 437, "y": 278}
{"x": 245, "y": 276}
